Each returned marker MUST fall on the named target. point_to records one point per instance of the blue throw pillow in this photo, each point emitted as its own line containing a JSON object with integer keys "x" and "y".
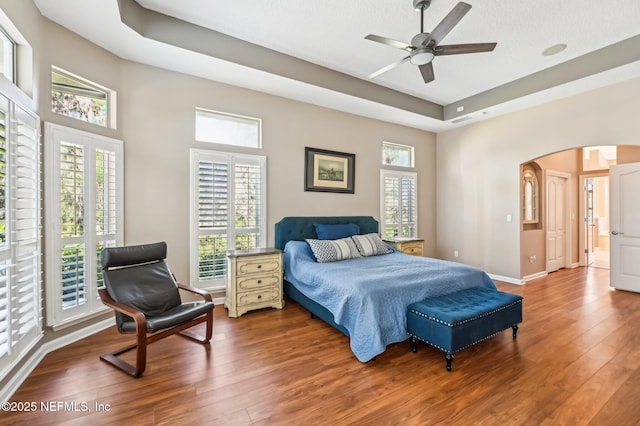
{"x": 337, "y": 231}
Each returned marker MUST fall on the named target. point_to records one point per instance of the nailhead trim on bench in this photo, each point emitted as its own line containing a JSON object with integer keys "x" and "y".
{"x": 466, "y": 320}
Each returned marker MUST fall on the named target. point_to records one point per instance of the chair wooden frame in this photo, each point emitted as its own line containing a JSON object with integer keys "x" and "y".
{"x": 143, "y": 338}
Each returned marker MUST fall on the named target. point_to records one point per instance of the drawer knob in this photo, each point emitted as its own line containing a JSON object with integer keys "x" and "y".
{"x": 259, "y": 296}
{"x": 259, "y": 266}
{"x": 259, "y": 281}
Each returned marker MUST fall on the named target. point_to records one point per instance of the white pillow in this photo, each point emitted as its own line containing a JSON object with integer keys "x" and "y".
{"x": 333, "y": 250}
{"x": 371, "y": 245}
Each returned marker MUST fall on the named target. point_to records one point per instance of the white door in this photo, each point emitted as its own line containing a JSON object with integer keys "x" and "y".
{"x": 625, "y": 226}
{"x": 557, "y": 213}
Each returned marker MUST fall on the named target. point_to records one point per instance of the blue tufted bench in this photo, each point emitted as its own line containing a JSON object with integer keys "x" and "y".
{"x": 452, "y": 322}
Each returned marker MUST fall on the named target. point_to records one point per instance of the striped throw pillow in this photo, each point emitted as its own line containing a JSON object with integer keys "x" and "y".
{"x": 371, "y": 245}
{"x": 333, "y": 250}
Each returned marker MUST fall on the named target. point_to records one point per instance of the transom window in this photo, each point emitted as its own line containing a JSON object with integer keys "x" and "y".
{"x": 394, "y": 154}
{"x": 7, "y": 56}
{"x": 228, "y": 129}
{"x": 78, "y": 98}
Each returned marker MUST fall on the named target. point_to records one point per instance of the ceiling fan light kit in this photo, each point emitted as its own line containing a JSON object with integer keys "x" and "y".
{"x": 425, "y": 46}
{"x": 421, "y": 56}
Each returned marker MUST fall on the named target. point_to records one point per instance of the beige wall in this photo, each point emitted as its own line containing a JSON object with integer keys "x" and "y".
{"x": 159, "y": 131}
{"x": 475, "y": 196}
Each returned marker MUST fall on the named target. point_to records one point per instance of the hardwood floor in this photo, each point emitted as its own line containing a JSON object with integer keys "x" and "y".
{"x": 576, "y": 361}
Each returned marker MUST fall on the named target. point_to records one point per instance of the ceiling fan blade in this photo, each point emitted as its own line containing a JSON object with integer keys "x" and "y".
{"x": 389, "y": 67}
{"x": 457, "y": 49}
{"x": 427, "y": 72}
{"x": 390, "y": 42}
{"x": 447, "y": 24}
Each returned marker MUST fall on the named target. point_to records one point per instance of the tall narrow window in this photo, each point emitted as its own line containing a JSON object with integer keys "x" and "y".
{"x": 85, "y": 208}
{"x": 81, "y": 99}
{"x": 399, "y": 204}
{"x": 228, "y": 208}
{"x": 20, "y": 258}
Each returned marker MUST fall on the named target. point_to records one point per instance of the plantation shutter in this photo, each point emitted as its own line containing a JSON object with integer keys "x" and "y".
{"x": 72, "y": 213}
{"x": 213, "y": 189}
{"x": 20, "y": 259}
{"x": 228, "y": 193}
{"x": 85, "y": 208}
{"x": 399, "y": 204}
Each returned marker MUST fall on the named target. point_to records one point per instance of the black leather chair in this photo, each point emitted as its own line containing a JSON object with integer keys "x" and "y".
{"x": 144, "y": 294}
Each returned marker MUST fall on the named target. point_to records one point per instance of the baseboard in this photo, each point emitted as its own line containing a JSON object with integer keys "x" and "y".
{"x": 509, "y": 280}
{"x": 534, "y": 276}
{"x": 30, "y": 364}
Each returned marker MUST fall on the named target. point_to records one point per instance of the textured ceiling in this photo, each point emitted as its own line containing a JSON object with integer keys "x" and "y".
{"x": 331, "y": 34}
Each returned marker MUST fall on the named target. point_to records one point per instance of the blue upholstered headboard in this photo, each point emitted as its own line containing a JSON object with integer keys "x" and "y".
{"x": 300, "y": 227}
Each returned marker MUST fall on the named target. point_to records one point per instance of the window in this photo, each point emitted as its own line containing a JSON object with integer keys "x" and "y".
{"x": 394, "y": 154}
{"x": 7, "y": 56}
{"x": 229, "y": 129}
{"x": 399, "y": 204}
{"x": 81, "y": 99}
{"x": 84, "y": 215}
{"x": 20, "y": 258}
{"x": 228, "y": 211}
{"x": 529, "y": 196}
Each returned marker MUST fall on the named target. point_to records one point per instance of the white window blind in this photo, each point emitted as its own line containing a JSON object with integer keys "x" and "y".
{"x": 85, "y": 204}
{"x": 20, "y": 259}
{"x": 399, "y": 204}
{"x": 228, "y": 205}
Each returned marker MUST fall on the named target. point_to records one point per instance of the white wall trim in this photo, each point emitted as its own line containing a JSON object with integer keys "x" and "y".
{"x": 535, "y": 276}
{"x": 21, "y": 375}
{"x": 506, "y": 279}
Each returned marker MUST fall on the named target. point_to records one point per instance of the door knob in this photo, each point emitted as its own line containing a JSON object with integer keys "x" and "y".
{"x": 617, "y": 233}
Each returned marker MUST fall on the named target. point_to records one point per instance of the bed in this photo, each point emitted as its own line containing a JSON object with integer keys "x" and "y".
{"x": 366, "y": 298}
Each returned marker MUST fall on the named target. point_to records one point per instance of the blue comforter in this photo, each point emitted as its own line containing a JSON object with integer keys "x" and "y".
{"x": 369, "y": 296}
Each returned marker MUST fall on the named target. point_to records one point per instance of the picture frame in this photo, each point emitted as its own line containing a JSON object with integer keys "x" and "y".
{"x": 329, "y": 171}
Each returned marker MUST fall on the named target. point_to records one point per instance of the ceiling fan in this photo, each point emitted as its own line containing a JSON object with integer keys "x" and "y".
{"x": 425, "y": 46}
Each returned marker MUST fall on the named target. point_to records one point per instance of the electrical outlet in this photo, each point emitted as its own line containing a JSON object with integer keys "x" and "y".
{"x": 532, "y": 258}
{"x": 455, "y": 253}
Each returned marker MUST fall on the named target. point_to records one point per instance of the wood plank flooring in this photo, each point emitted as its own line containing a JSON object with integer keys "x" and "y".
{"x": 576, "y": 361}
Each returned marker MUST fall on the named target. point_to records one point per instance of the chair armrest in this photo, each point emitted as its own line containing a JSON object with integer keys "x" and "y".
{"x": 137, "y": 315}
{"x": 205, "y": 294}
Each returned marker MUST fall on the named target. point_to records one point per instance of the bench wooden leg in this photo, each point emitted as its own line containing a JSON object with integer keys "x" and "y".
{"x": 515, "y": 331}
{"x": 414, "y": 344}
{"x": 449, "y": 358}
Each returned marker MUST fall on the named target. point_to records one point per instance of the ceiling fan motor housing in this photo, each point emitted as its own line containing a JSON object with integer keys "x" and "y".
{"x": 421, "y": 4}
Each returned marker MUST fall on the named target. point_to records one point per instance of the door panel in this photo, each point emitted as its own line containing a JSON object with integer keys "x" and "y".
{"x": 557, "y": 187}
{"x": 625, "y": 227}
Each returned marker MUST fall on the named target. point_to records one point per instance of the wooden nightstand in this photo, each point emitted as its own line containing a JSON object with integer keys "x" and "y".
{"x": 411, "y": 246}
{"x": 254, "y": 280}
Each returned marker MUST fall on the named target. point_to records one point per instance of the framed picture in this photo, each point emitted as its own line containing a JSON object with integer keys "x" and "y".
{"x": 329, "y": 171}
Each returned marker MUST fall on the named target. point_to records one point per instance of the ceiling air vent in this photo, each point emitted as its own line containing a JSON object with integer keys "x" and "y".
{"x": 461, "y": 119}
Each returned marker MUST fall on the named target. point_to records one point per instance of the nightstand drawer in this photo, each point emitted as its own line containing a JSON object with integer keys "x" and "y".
{"x": 260, "y": 265}
{"x": 412, "y": 248}
{"x": 269, "y": 295}
{"x": 257, "y": 282}
{"x": 407, "y": 246}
